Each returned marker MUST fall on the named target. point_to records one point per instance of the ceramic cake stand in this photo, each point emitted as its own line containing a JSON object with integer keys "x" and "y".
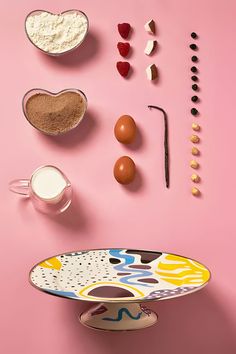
{"x": 120, "y": 281}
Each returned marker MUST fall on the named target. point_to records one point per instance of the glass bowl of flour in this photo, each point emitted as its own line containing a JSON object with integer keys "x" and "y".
{"x": 56, "y": 34}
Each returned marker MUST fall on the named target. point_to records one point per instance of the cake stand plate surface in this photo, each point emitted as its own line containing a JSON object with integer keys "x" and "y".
{"x": 120, "y": 280}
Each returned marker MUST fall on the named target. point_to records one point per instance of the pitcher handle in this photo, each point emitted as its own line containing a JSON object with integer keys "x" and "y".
{"x": 20, "y": 186}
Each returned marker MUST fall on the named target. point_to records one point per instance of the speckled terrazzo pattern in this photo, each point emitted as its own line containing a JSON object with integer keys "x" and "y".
{"x": 76, "y": 275}
{"x": 163, "y": 293}
{"x": 113, "y": 275}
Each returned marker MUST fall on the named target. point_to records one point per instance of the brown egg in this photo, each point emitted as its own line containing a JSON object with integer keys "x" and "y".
{"x": 125, "y": 129}
{"x": 124, "y": 170}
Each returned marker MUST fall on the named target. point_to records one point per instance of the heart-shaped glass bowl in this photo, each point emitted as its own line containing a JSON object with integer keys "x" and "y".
{"x": 36, "y": 91}
{"x": 38, "y": 12}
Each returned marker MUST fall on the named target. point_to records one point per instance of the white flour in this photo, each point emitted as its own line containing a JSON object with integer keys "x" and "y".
{"x": 56, "y": 33}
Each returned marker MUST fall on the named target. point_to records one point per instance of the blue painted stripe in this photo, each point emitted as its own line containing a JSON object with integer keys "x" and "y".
{"x": 117, "y": 253}
{"x": 68, "y": 294}
{"x": 120, "y": 315}
{"x": 123, "y": 267}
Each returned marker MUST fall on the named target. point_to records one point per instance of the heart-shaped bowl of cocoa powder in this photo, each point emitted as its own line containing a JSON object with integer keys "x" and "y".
{"x": 54, "y": 113}
{"x": 56, "y": 34}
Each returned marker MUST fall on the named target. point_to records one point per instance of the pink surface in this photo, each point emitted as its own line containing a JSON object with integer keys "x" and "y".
{"x": 145, "y": 215}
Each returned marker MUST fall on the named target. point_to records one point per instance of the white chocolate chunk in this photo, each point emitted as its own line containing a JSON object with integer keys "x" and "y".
{"x": 150, "y": 27}
{"x": 150, "y": 46}
{"x": 151, "y": 72}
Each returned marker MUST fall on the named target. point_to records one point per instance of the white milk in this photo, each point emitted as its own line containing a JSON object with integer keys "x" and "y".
{"x": 48, "y": 183}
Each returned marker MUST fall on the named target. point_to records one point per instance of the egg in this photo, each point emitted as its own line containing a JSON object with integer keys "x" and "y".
{"x": 124, "y": 170}
{"x": 125, "y": 129}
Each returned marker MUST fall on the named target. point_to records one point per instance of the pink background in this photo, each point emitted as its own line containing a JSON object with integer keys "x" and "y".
{"x": 104, "y": 214}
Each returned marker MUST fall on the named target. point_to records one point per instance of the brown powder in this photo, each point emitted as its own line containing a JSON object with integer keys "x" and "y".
{"x": 55, "y": 114}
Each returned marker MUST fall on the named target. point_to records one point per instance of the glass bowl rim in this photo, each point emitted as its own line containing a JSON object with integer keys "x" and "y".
{"x": 54, "y": 94}
{"x": 60, "y": 13}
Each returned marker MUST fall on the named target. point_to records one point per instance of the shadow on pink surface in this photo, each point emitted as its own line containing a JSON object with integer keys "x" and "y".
{"x": 73, "y": 218}
{"x": 137, "y": 184}
{"x": 77, "y": 136}
{"x": 192, "y": 324}
{"x": 82, "y": 55}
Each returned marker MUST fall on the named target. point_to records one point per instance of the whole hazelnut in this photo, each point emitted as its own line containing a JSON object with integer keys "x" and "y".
{"x": 195, "y": 192}
{"x": 195, "y": 126}
{"x": 194, "y": 139}
{"x": 195, "y": 151}
{"x": 194, "y": 164}
{"x": 195, "y": 178}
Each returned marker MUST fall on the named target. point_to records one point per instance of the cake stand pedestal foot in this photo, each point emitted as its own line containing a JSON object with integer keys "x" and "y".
{"x": 118, "y": 317}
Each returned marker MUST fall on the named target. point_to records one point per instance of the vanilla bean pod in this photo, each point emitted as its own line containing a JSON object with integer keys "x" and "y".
{"x": 166, "y": 145}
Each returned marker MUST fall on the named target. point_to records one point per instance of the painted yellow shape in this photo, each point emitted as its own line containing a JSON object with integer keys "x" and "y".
{"x": 136, "y": 292}
{"x": 52, "y": 263}
{"x": 182, "y": 271}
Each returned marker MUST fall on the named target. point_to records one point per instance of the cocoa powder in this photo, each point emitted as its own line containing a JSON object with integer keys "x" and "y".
{"x": 55, "y": 114}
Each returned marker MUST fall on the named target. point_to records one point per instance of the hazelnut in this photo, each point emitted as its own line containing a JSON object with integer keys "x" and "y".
{"x": 194, "y": 139}
{"x": 195, "y": 178}
{"x": 195, "y": 192}
{"x": 195, "y": 126}
{"x": 195, "y": 151}
{"x": 194, "y": 164}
